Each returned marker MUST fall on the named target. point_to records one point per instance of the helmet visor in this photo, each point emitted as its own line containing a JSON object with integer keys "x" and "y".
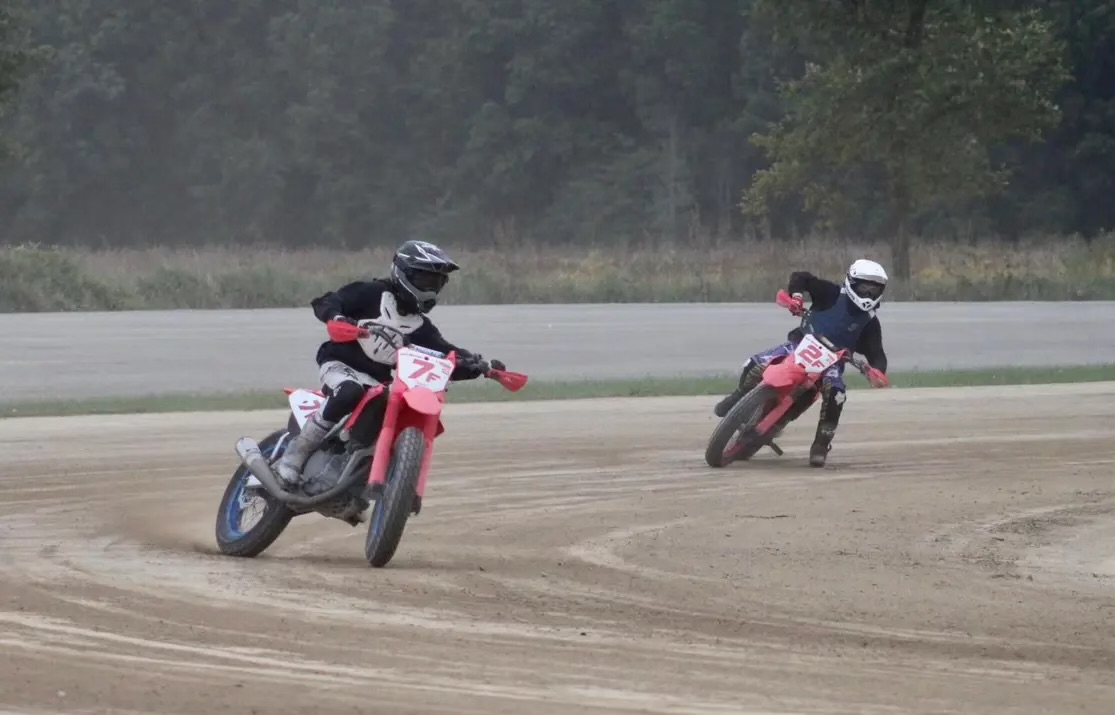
{"x": 428, "y": 281}
{"x": 868, "y": 289}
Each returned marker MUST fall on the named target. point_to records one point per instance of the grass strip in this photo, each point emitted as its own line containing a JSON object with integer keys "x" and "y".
{"x": 37, "y": 278}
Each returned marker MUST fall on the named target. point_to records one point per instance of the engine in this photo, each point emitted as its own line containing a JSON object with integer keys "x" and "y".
{"x": 323, "y": 471}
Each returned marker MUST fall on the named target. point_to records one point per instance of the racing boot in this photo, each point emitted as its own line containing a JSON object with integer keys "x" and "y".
{"x": 289, "y": 467}
{"x": 831, "y": 406}
{"x": 822, "y": 444}
{"x": 748, "y": 379}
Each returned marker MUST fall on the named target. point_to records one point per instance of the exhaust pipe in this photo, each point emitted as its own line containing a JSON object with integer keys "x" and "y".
{"x": 252, "y": 458}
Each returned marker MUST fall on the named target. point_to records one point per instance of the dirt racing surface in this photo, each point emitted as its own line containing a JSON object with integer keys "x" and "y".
{"x": 956, "y": 556}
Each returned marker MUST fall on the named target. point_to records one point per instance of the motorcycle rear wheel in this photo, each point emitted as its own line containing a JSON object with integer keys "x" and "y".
{"x": 232, "y": 538}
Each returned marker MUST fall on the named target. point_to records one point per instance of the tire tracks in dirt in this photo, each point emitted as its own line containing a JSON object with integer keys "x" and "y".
{"x": 580, "y": 557}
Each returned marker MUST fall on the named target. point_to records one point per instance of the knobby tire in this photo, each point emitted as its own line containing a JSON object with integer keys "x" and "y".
{"x": 743, "y": 413}
{"x": 274, "y": 521}
{"x": 389, "y": 516}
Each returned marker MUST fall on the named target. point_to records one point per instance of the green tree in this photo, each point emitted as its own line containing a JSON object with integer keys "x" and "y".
{"x": 900, "y": 104}
{"x": 1065, "y": 183}
{"x": 341, "y": 123}
{"x": 18, "y": 56}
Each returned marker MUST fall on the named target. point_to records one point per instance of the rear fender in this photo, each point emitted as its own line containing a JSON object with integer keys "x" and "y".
{"x": 303, "y": 404}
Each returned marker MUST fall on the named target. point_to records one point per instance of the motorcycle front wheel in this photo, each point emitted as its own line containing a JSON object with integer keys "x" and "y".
{"x": 734, "y": 437}
{"x": 389, "y": 516}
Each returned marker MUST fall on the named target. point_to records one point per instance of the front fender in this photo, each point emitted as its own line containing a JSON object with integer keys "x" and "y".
{"x": 423, "y": 401}
{"x": 786, "y": 373}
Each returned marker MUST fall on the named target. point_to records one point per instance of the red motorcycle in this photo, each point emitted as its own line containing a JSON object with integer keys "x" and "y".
{"x": 792, "y": 381}
{"x": 377, "y": 455}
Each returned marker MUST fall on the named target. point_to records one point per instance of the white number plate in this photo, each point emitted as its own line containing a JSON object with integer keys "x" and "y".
{"x": 813, "y": 355}
{"x": 418, "y": 369}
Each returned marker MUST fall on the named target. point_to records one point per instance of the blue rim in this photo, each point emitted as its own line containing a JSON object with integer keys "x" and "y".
{"x": 233, "y": 511}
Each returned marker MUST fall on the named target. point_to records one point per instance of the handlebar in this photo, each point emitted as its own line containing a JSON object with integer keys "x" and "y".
{"x": 344, "y": 332}
{"x": 877, "y": 378}
{"x": 513, "y": 381}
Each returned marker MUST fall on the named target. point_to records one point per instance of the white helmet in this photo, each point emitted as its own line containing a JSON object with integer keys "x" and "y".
{"x": 865, "y": 283}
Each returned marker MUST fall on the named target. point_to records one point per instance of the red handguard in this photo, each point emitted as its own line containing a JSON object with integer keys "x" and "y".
{"x": 513, "y": 381}
{"x": 877, "y": 377}
{"x": 790, "y": 303}
{"x": 342, "y": 332}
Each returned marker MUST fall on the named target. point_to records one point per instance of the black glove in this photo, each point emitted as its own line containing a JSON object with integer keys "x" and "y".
{"x": 472, "y": 364}
{"x": 498, "y": 365}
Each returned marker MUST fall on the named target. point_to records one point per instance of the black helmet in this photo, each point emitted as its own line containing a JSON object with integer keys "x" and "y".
{"x": 421, "y": 269}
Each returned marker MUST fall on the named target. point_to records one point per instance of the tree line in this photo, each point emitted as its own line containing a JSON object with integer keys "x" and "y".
{"x": 345, "y": 123}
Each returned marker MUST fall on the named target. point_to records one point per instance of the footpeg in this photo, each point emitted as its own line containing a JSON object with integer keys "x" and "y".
{"x": 775, "y": 448}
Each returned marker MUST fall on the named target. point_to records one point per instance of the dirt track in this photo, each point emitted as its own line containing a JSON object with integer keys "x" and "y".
{"x": 580, "y": 558}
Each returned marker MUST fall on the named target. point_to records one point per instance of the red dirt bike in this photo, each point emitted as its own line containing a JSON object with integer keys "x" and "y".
{"x": 792, "y": 381}
{"x": 377, "y": 455}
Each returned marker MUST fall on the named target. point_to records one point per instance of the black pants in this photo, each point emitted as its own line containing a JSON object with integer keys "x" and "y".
{"x": 344, "y": 399}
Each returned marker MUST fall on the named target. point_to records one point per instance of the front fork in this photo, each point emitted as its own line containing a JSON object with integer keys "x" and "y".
{"x": 377, "y": 477}
{"x": 803, "y": 399}
{"x": 791, "y": 405}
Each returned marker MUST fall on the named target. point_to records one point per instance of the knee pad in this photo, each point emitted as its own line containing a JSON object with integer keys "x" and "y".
{"x": 343, "y": 400}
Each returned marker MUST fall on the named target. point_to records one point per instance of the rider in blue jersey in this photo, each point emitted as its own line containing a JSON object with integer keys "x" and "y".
{"x": 845, "y": 314}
